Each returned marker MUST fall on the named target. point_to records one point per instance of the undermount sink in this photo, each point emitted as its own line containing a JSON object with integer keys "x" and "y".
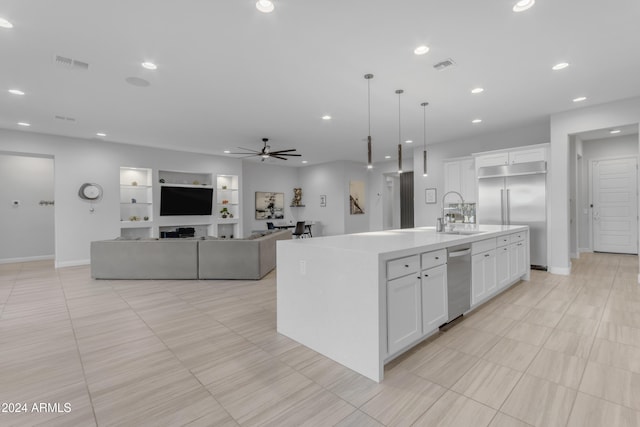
{"x": 463, "y": 232}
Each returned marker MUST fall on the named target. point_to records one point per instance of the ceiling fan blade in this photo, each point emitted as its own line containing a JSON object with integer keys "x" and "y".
{"x": 248, "y": 154}
{"x": 283, "y": 151}
{"x": 283, "y": 154}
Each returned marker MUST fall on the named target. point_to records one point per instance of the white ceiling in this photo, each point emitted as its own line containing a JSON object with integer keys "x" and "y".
{"x": 229, "y": 75}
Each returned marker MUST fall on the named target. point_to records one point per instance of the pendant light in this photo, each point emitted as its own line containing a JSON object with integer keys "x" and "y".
{"x": 424, "y": 137}
{"x": 369, "y": 149}
{"x": 399, "y": 92}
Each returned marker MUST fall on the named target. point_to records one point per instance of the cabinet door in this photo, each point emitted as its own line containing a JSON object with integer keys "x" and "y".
{"x": 493, "y": 159}
{"x": 530, "y": 155}
{"x": 489, "y": 271}
{"x": 477, "y": 278}
{"x": 503, "y": 275}
{"x": 521, "y": 259}
{"x": 404, "y": 314}
{"x": 434, "y": 298}
{"x": 452, "y": 176}
{"x": 483, "y": 276}
{"x": 513, "y": 262}
{"x": 468, "y": 180}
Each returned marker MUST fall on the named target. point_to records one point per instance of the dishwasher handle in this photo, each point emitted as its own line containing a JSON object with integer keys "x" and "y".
{"x": 459, "y": 253}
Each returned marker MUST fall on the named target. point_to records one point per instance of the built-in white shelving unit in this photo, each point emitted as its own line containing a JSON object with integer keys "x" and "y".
{"x": 227, "y": 206}
{"x": 136, "y": 202}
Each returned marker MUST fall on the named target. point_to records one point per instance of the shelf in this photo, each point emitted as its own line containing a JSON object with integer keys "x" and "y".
{"x": 228, "y": 204}
{"x": 137, "y": 203}
{"x": 227, "y": 189}
{"x": 227, "y": 220}
{"x": 169, "y": 184}
{"x": 296, "y": 206}
{"x": 136, "y": 224}
{"x": 135, "y": 186}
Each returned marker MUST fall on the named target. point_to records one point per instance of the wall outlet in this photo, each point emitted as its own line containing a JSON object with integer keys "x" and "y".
{"x": 303, "y": 267}
{"x": 16, "y": 203}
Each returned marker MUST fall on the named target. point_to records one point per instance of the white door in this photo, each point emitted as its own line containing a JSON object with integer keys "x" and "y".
{"x": 404, "y": 313}
{"x": 434, "y": 298}
{"x": 615, "y": 205}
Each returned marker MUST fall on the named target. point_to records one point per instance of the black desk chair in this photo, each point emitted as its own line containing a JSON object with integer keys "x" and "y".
{"x": 270, "y": 226}
{"x": 299, "y": 230}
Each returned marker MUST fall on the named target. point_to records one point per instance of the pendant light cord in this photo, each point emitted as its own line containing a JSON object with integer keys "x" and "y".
{"x": 369, "y": 103}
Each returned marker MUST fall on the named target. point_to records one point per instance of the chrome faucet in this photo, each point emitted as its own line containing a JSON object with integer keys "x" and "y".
{"x": 444, "y": 221}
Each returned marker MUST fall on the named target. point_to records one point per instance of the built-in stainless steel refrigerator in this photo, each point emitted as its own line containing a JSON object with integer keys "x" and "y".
{"x": 516, "y": 195}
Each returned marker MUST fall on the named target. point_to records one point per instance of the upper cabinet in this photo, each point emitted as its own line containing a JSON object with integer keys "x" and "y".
{"x": 511, "y": 157}
{"x": 460, "y": 176}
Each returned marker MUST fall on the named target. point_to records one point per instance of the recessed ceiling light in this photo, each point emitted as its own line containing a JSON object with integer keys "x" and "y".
{"x": 421, "y": 50}
{"x": 265, "y": 6}
{"x": 614, "y": 131}
{"x": 305, "y": 161}
{"x": 227, "y": 151}
{"x": 16, "y": 92}
{"x": 523, "y": 5}
{"x": 149, "y": 65}
{"x": 387, "y": 157}
{"x": 560, "y": 66}
{"x": 409, "y": 141}
{"x": 476, "y": 121}
{"x": 477, "y": 90}
{"x": 5, "y": 24}
{"x": 101, "y": 134}
{"x": 25, "y": 124}
{"x": 326, "y": 117}
{"x": 579, "y": 99}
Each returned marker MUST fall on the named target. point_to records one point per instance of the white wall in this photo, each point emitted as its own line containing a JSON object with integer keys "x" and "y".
{"x": 426, "y": 214}
{"x": 27, "y": 228}
{"x": 619, "y": 113}
{"x": 621, "y": 146}
{"x": 82, "y": 160}
{"x": 258, "y": 176}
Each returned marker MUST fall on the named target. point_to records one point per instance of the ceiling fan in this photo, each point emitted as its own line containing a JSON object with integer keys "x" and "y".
{"x": 266, "y": 152}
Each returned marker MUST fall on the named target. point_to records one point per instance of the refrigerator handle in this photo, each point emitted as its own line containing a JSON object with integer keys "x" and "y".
{"x": 502, "y": 206}
{"x": 508, "y": 207}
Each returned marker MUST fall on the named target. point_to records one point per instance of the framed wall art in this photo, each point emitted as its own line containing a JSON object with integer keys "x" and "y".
{"x": 269, "y": 205}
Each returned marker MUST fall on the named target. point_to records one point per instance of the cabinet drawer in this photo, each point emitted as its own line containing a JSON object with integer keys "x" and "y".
{"x": 434, "y": 258}
{"x": 516, "y": 237}
{"x": 503, "y": 240}
{"x": 403, "y": 266}
{"x": 483, "y": 246}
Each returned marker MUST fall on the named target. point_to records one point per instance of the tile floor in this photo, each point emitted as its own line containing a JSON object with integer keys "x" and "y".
{"x": 556, "y": 351}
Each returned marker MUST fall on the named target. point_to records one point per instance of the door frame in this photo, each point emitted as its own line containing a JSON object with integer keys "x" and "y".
{"x": 590, "y": 194}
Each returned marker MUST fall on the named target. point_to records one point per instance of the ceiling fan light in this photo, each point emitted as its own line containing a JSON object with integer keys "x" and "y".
{"x": 265, "y": 6}
{"x": 523, "y": 5}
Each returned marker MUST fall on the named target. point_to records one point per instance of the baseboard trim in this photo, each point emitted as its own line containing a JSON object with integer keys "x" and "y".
{"x": 74, "y": 263}
{"x": 563, "y": 271}
{"x": 639, "y": 279}
{"x": 574, "y": 255}
{"x": 585, "y": 251}
{"x": 26, "y": 259}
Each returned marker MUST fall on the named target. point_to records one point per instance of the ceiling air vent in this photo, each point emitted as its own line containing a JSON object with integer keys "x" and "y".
{"x": 74, "y": 64}
{"x": 65, "y": 118}
{"x": 444, "y": 64}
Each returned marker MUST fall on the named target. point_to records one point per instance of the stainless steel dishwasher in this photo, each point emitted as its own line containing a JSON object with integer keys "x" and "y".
{"x": 458, "y": 280}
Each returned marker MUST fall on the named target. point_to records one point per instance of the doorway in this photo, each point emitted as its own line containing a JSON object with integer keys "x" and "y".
{"x": 614, "y": 203}
{"x": 397, "y": 201}
{"x": 26, "y": 207}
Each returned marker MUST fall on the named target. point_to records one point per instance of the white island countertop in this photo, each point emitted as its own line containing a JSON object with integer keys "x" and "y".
{"x": 332, "y": 291}
{"x": 401, "y": 241}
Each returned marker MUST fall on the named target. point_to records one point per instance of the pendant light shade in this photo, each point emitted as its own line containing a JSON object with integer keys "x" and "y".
{"x": 369, "y": 148}
{"x": 424, "y": 137}
{"x": 399, "y": 92}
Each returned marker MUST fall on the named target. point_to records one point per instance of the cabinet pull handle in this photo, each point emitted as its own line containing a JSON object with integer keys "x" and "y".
{"x": 426, "y": 275}
{"x": 406, "y": 265}
{"x": 486, "y": 255}
{"x": 519, "y": 244}
{"x": 437, "y": 257}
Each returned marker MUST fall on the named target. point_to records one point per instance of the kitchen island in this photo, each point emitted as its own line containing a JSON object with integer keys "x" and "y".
{"x": 363, "y": 299}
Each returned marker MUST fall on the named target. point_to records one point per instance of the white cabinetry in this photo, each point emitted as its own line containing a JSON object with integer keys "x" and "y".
{"x": 483, "y": 270}
{"x": 136, "y": 202}
{"x": 404, "y": 311}
{"x": 460, "y": 176}
{"x": 511, "y": 157}
{"x": 416, "y": 298}
{"x": 434, "y": 298}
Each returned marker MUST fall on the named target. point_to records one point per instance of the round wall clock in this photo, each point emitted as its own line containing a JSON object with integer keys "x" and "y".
{"x": 90, "y": 191}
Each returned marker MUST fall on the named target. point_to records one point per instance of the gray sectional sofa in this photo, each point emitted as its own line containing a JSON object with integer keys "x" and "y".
{"x": 199, "y": 258}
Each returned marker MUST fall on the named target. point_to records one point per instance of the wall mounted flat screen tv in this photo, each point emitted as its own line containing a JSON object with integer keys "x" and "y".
{"x": 185, "y": 201}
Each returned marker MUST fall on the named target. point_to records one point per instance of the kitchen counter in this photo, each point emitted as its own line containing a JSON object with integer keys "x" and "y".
{"x": 332, "y": 295}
